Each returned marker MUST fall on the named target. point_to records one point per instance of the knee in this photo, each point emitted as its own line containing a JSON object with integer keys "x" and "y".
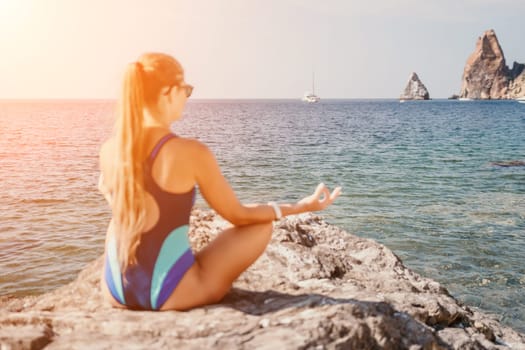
{"x": 266, "y": 229}
{"x": 267, "y": 226}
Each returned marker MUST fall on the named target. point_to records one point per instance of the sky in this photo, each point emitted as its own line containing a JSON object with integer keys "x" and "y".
{"x": 250, "y": 48}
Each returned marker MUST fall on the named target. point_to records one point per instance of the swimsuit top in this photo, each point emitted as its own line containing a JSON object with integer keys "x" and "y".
{"x": 163, "y": 254}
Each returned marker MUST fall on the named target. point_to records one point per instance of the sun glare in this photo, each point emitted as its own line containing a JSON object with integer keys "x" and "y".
{"x": 13, "y": 14}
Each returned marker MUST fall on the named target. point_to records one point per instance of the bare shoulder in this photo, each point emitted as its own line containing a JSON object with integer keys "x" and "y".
{"x": 189, "y": 147}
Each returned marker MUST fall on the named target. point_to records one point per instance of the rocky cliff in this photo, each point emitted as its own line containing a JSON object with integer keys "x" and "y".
{"x": 415, "y": 89}
{"x": 517, "y": 81}
{"x": 315, "y": 287}
{"x": 486, "y": 75}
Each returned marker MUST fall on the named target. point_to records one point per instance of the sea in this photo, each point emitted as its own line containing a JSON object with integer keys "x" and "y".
{"x": 440, "y": 182}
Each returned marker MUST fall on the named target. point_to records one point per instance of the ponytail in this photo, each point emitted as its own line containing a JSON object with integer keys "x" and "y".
{"x": 128, "y": 203}
{"x": 143, "y": 82}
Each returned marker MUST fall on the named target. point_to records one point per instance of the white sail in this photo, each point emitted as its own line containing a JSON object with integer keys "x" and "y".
{"x": 311, "y": 97}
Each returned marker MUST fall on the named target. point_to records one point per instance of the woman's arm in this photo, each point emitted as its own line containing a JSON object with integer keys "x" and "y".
{"x": 103, "y": 189}
{"x": 220, "y": 196}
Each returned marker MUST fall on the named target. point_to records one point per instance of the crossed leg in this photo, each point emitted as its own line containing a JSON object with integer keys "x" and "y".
{"x": 218, "y": 265}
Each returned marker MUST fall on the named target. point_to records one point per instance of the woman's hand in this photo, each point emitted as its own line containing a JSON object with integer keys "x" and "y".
{"x": 320, "y": 199}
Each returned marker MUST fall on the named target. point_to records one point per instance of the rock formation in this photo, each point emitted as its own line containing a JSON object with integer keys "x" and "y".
{"x": 415, "y": 89}
{"x": 517, "y": 81}
{"x": 509, "y": 163}
{"x": 486, "y": 75}
{"x": 315, "y": 287}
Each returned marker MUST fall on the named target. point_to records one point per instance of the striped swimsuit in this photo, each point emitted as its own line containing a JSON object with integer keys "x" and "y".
{"x": 163, "y": 255}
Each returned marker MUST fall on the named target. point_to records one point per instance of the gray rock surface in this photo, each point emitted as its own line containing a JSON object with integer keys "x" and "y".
{"x": 486, "y": 75}
{"x": 315, "y": 287}
{"x": 415, "y": 89}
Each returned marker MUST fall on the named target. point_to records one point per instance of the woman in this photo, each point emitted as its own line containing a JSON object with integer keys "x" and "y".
{"x": 148, "y": 176}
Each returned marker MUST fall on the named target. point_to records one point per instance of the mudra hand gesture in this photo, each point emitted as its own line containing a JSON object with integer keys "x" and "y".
{"x": 149, "y": 176}
{"x": 320, "y": 199}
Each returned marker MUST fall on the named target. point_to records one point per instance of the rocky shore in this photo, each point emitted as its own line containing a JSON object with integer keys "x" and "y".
{"x": 315, "y": 287}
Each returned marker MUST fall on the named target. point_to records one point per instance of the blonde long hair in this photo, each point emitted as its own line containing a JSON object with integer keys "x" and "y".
{"x": 142, "y": 84}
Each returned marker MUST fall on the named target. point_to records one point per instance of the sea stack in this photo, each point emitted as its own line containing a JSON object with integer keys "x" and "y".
{"x": 517, "y": 81}
{"x": 415, "y": 89}
{"x": 486, "y": 75}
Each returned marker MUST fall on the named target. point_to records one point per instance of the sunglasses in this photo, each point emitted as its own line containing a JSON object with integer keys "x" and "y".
{"x": 188, "y": 89}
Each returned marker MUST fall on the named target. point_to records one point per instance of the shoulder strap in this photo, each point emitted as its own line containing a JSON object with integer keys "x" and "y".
{"x": 159, "y": 145}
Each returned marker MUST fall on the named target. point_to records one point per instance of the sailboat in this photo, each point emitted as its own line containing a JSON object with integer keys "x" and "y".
{"x": 520, "y": 99}
{"x": 311, "y": 97}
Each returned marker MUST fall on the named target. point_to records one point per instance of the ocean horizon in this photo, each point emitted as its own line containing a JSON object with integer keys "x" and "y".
{"x": 228, "y": 99}
{"x": 432, "y": 180}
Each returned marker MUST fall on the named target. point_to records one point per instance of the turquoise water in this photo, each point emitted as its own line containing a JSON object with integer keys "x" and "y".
{"x": 419, "y": 177}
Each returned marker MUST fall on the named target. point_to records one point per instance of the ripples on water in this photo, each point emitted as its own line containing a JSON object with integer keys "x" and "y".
{"x": 52, "y": 218}
{"x": 418, "y": 177}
